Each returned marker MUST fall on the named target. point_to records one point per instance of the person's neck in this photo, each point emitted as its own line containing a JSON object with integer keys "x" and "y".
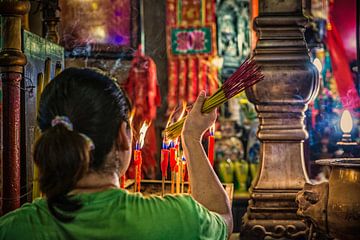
{"x": 96, "y": 182}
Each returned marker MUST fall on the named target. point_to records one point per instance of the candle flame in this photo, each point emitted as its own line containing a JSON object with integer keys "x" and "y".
{"x": 183, "y": 110}
{"x": 170, "y": 117}
{"x": 142, "y": 133}
{"x": 132, "y": 114}
{"x": 182, "y": 113}
{"x": 346, "y": 122}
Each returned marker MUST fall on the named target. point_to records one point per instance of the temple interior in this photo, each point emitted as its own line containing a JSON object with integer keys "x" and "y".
{"x": 285, "y": 148}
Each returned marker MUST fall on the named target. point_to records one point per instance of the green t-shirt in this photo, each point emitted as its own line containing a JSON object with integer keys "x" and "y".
{"x": 117, "y": 214}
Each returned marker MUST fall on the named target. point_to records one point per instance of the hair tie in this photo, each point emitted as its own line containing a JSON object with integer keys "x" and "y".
{"x": 65, "y": 121}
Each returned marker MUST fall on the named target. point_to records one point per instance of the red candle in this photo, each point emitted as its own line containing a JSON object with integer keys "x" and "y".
{"x": 137, "y": 163}
{"x": 211, "y": 144}
{"x": 122, "y": 181}
{"x": 172, "y": 157}
{"x": 164, "y": 161}
{"x": 172, "y": 165}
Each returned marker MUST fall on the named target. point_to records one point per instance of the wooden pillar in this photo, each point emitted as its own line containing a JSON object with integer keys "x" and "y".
{"x": 12, "y": 61}
{"x": 291, "y": 81}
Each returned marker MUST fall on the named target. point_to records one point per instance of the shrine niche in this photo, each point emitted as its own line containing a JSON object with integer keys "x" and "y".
{"x": 100, "y": 34}
{"x": 98, "y": 27}
{"x": 233, "y": 32}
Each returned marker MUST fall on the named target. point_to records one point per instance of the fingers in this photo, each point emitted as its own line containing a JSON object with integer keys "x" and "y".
{"x": 199, "y": 101}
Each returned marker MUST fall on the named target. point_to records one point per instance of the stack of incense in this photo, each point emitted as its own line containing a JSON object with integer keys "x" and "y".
{"x": 246, "y": 75}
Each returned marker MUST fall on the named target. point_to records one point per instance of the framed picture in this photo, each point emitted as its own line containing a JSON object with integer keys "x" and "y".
{"x": 102, "y": 29}
{"x": 192, "y": 40}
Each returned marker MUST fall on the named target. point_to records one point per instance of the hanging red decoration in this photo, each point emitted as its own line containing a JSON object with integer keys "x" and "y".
{"x": 144, "y": 93}
{"x": 142, "y": 86}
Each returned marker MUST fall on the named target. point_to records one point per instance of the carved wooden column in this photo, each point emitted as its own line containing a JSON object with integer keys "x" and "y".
{"x": 51, "y": 20}
{"x": 291, "y": 81}
{"x": 12, "y": 61}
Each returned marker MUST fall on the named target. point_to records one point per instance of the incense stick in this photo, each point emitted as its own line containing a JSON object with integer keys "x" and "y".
{"x": 246, "y": 75}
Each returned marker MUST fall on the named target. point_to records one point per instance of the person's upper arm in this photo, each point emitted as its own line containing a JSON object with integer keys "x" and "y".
{"x": 211, "y": 224}
{"x": 178, "y": 217}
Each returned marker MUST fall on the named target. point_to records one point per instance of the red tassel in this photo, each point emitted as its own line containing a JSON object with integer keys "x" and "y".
{"x": 173, "y": 83}
{"x": 213, "y": 80}
{"x": 192, "y": 86}
{"x": 202, "y": 75}
{"x": 182, "y": 79}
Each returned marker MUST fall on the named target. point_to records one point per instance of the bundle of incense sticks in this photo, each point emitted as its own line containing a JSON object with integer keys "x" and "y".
{"x": 245, "y": 76}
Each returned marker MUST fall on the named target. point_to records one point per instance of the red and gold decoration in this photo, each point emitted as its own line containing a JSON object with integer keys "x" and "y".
{"x": 191, "y": 44}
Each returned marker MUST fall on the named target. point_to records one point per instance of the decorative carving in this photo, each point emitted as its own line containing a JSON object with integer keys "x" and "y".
{"x": 291, "y": 81}
{"x": 51, "y": 19}
{"x": 312, "y": 202}
{"x": 334, "y": 207}
{"x": 278, "y": 231}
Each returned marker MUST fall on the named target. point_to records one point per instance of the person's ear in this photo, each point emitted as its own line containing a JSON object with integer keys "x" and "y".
{"x": 124, "y": 137}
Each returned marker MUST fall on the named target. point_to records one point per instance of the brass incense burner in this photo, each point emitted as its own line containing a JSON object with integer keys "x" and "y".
{"x": 334, "y": 206}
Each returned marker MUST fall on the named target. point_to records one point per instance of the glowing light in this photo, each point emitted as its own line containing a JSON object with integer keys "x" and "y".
{"x": 132, "y": 114}
{"x": 170, "y": 117}
{"x": 346, "y": 122}
{"x": 99, "y": 33}
{"x": 142, "y": 133}
{"x": 94, "y": 6}
{"x": 217, "y": 62}
{"x": 318, "y": 65}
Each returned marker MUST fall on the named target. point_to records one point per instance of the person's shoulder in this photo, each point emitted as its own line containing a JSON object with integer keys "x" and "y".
{"x": 182, "y": 199}
{"x": 19, "y": 221}
{"x": 27, "y": 209}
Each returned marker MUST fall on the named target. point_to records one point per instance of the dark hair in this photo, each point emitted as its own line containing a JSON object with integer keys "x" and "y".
{"x": 96, "y": 106}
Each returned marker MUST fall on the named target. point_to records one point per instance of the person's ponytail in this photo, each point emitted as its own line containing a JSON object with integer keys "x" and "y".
{"x": 63, "y": 157}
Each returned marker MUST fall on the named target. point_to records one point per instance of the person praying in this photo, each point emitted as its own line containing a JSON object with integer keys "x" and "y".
{"x": 85, "y": 146}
